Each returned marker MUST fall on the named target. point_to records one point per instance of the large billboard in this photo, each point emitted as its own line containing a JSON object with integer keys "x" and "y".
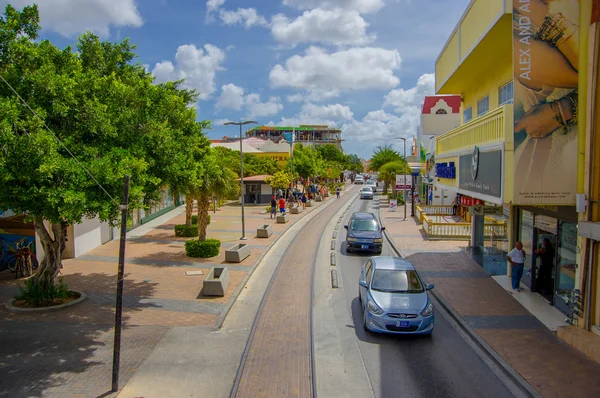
{"x": 546, "y": 62}
{"x": 481, "y": 172}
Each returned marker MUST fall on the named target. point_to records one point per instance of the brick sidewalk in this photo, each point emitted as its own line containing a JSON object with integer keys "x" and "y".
{"x": 552, "y": 367}
{"x": 69, "y": 352}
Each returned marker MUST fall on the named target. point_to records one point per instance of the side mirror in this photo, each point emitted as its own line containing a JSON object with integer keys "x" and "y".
{"x": 345, "y": 227}
{"x": 429, "y": 286}
{"x": 363, "y": 284}
{"x": 383, "y": 228}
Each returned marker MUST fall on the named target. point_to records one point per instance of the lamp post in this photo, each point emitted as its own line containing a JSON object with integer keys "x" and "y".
{"x": 405, "y": 164}
{"x": 242, "y": 172}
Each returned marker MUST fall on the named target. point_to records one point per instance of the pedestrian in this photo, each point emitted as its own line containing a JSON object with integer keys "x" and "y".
{"x": 544, "y": 277}
{"x": 279, "y": 193}
{"x": 337, "y": 192}
{"x": 516, "y": 258}
{"x": 282, "y": 205}
{"x": 273, "y": 207}
{"x": 303, "y": 201}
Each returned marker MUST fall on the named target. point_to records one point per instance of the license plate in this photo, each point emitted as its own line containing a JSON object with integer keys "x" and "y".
{"x": 365, "y": 246}
{"x": 402, "y": 324}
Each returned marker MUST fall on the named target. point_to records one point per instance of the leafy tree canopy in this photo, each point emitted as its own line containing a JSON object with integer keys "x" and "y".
{"x": 279, "y": 180}
{"x": 382, "y": 155}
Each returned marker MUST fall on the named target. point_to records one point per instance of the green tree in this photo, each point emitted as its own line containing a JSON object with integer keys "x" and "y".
{"x": 354, "y": 164}
{"x": 279, "y": 180}
{"x": 382, "y": 155}
{"x": 331, "y": 153}
{"x": 98, "y": 106}
{"x": 306, "y": 162}
{"x": 387, "y": 174}
{"x": 259, "y": 165}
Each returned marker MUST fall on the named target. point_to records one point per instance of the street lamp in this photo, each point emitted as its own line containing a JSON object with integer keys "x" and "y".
{"x": 242, "y": 172}
{"x": 405, "y": 164}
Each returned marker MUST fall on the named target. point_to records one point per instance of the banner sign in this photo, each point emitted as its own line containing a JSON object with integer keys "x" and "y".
{"x": 393, "y": 204}
{"x": 403, "y": 181}
{"x": 546, "y": 61}
{"x": 481, "y": 172}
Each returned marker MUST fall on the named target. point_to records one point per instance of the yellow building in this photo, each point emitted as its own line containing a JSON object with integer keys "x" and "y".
{"x": 521, "y": 68}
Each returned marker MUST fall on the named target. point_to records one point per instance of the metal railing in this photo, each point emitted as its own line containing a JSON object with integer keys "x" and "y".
{"x": 436, "y": 230}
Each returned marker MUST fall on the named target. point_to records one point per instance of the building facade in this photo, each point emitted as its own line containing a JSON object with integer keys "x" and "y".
{"x": 305, "y": 134}
{"x": 525, "y": 73}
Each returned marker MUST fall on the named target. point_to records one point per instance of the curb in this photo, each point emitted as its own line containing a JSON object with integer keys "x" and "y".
{"x": 508, "y": 370}
{"x": 242, "y": 284}
{"x": 9, "y": 305}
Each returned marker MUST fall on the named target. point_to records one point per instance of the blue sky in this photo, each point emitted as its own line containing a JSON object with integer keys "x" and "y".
{"x": 362, "y": 65}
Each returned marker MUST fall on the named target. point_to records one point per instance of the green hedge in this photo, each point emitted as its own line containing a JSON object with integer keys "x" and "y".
{"x": 195, "y": 220}
{"x": 184, "y": 231}
{"x": 206, "y": 249}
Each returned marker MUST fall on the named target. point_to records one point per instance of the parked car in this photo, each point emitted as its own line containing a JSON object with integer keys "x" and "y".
{"x": 366, "y": 192}
{"x": 372, "y": 183}
{"x": 394, "y": 298}
{"x": 359, "y": 180}
{"x": 364, "y": 233}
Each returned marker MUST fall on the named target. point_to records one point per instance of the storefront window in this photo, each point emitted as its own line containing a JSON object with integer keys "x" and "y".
{"x": 567, "y": 259}
{"x": 526, "y": 238}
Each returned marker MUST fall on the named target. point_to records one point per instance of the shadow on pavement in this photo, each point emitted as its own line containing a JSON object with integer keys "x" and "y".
{"x": 69, "y": 352}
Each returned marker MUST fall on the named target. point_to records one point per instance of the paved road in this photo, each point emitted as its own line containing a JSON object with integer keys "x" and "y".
{"x": 443, "y": 365}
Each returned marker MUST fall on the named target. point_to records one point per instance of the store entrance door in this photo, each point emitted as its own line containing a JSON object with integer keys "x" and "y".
{"x": 543, "y": 273}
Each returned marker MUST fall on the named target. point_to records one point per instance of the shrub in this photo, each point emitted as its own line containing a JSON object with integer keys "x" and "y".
{"x": 202, "y": 249}
{"x": 33, "y": 294}
{"x": 195, "y": 221}
{"x": 183, "y": 230}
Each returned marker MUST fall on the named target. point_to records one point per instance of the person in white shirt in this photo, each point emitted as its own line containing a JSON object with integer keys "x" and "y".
{"x": 516, "y": 258}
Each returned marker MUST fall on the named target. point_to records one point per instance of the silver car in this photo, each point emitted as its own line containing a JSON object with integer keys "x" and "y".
{"x": 366, "y": 193}
{"x": 371, "y": 184}
{"x": 394, "y": 298}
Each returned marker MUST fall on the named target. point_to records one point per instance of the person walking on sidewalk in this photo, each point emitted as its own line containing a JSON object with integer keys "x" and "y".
{"x": 337, "y": 192}
{"x": 516, "y": 258}
{"x": 273, "y": 207}
{"x": 303, "y": 201}
{"x": 282, "y": 205}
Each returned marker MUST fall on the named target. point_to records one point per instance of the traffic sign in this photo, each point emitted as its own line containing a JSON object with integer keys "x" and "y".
{"x": 481, "y": 210}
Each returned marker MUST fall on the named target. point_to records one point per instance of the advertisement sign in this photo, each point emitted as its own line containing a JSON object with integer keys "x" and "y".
{"x": 481, "y": 172}
{"x": 403, "y": 181}
{"x": 393, "y": 204}
{"x": 546, "y": 51}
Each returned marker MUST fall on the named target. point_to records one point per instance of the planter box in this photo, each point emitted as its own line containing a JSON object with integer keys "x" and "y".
{"x": 319, "y": 198}
{"x": 282, "y": 218}
{"x": 297, "y": 210}
{"x": 309, "y": 203}
{"x": 264, "y": 232}
{"x": 216, "y": 282}
{"x": 237, "y": 253}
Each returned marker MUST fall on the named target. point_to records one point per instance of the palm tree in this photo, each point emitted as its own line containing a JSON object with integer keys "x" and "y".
{"x": 388, "y": 174}
{"x": 382, "y": 155}
{"x": 215, "y": 180}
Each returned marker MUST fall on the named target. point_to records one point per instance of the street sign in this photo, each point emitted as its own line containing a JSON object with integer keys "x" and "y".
{"x": 481, "y": 210}
{"x": 403, "y": 181}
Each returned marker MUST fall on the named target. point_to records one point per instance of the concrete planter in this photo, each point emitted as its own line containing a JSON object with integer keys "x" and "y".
{"x": 237, "y": 253}
{"x": 297, "y": 210}
{"x": 216, "y": 282}
{"x": 310, "y": 203}
{"x": 282, "y": 218}
{"x": 319, "y": 198}
{"x": 12, "y": 308}
{"x": 264, "y": 232}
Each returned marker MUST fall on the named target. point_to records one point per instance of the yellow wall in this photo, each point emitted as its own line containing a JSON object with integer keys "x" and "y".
{"x": 496, "y": 78}
{"x": 280, "y": 157}
{"x": 477, "y": 22}
{"x": 447, "y": 61}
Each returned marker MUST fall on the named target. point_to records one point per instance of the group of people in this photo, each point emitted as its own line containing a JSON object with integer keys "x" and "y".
{"x": 302, "y": 198}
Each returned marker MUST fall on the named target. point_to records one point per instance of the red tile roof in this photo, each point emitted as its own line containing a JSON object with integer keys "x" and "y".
{"x": 431, "y": 100}
{"x": 258, "y": 178}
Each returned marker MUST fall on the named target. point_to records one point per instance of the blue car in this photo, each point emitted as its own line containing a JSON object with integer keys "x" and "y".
{"x": 394, "y": 298}
{"x": 364, "y": 233}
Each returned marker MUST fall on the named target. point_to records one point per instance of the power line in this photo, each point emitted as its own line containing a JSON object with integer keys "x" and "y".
{"x": 58, "y": 139}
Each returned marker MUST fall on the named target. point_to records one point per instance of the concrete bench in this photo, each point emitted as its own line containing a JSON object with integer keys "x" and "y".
{"x": 216, "y": 282}
{"x": 264, "y": 232}
{"x": 282, "y": 218}
{"x": 297, "y": 210}
{"x": 237, "y": 253}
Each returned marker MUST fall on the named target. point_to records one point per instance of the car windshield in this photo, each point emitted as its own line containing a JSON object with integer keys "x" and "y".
{"x": 370, "y": 182}
{"x": 396, "y": 281}
{"x": 364, "y": 225}
{"x": 367, "y": 189}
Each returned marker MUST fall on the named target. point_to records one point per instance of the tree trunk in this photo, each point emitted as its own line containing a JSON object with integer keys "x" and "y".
{"x": 203, "y": 207}
{"x": 53, "y": 248}
{"x": 189, "y": 209}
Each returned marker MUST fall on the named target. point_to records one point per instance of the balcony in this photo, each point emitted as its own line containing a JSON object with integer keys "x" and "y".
{"x": 481, "y": 40}
{"x": 493, "y": 127}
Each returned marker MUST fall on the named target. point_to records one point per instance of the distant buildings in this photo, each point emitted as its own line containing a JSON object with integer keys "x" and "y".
{"x": 304, "y": 134}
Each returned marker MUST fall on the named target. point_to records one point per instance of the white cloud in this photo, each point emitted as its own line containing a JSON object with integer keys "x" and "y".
{"x": 378, "y": 127}
{"x": 72, "y": 17}
{"x": 196, "y": 65}
{"x": 334, "y": 111}
{"x": 406, "y": 100}
{"x": 212, "y": 6}
{"x": 248, "y": 17}
{"x": 352, "y": 69}
{"x": 340, "y": 27}
{"x": 232, "y": 97}
{"x": 314, "y": 96}
{"x": 256, "y": 108}
{"x": 362, "y": 6}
